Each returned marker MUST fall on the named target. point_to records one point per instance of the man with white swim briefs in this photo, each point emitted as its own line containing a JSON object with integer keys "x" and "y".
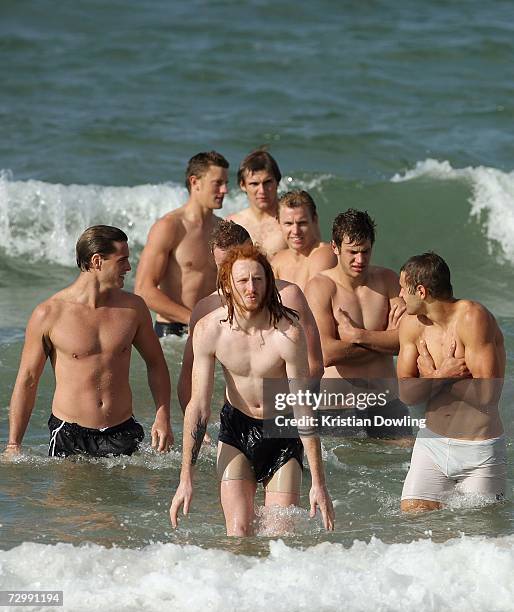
{"x": 452, "y": 356}
{"x": 254, "y": 337}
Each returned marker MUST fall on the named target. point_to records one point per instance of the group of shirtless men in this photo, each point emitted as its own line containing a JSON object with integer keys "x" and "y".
{"x": 267, "y": 299}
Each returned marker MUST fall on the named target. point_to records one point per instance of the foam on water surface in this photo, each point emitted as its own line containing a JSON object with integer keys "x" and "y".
{"x": 468, "y": 574}
{"x": 42, "y": 221}
{"x": 492, "y": 199}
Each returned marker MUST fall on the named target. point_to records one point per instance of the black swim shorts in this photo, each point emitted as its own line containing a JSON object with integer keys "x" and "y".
{"x": 266, "y": 455}
{"x": 72, "y": 439}
{"x": 170, "y": 329}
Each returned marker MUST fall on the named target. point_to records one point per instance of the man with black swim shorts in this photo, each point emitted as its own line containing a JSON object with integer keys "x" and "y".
{"x": 177, "y": 268}
{"x": 88, "y": 330}
{"x": 254, "y": 337}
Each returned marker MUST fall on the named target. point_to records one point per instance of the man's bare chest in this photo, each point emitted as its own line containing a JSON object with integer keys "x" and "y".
{"x": 439, "y": 343}
{"x": 82, "y": 334}
{"x": 246, "y": 355}
{"x": 192, "y": 253}
{"x": 368, "y": 308}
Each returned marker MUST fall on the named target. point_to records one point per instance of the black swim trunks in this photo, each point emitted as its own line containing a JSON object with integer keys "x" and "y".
{"x": 72, "y": 439}
{"x": 266, "y": 455}
{"x": 170, "y": 329}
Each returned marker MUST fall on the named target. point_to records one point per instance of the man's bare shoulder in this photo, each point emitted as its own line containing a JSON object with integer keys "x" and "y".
{"x": 47, "y": 312}
{"x": 282, "y": 257}
{"x": 323, "y": 282}
{"x": 473, "y": 316}
{"x": 288, "y": 335}
{"x": 164, "y": 231}
{"x": 323, "y": 251}
{"x": 411, "y": 327}
{"x": 204, "y": 307}
{"x": 210, "y": 325}
{"x": 386, "y": 275}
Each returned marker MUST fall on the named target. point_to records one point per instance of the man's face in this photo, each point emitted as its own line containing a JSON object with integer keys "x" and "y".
{"x": 299, "y": 229}
{"x": 211, "y": 188}
{"x": 248, "y": 284}
{"x": 116, "y": 265}
{"x": 261, "y": 189}
{"x": 354, "y": 257}
{"x": 412, "y": 301}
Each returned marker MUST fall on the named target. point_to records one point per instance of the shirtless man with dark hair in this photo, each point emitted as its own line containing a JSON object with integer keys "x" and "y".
{"x": 176, "y": 268}
{"x": 254, "y": 337}
{"x": 358, "y": 309}
{"x": 446, "y": 346}
{"x": 88, "y": 330}
{"x": 259, "y": 176}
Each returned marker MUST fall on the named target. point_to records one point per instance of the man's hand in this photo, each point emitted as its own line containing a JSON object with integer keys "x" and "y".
{"x": 453, "y": 367}
{"x": 162, "y": 435}
{"x": 347, "y": 327}
{"x": 183, "y": 496}
{"x": 395, "y": 313}
{"x": 425, "y": 363}
{"x": 207, "y": 440}
{"x": 319, "y": 497}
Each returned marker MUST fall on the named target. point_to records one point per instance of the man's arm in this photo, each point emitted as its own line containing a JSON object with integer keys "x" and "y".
{"x": 381, "y": 341}
{"x": 202, "y": 308}
{"x": 484, "y": 356}
{"x": 149, "y": 347}
{"x": 197, "y": 415}
{"x": 294, "y": 353}
{"x": 293, "y": 297}
{"x": 35, "y": 352}
{"x": 152, "y": 267}
{"x": 335, "y": 351}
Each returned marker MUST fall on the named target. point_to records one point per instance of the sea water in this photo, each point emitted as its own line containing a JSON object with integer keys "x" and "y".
{"x": 402, "y": 109}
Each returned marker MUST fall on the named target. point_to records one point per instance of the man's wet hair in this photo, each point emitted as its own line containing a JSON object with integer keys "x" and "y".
{"x": 228, "y": 234}
{"x": 256, "y": 161}
{"x": 356, "y": 225}
{"x": 431, "y": 271}
{"x": 200, "y": 163}
{"x": 98, "y": 239}
{"x": 272, "y": 300}
{"x": 296, "y": 199}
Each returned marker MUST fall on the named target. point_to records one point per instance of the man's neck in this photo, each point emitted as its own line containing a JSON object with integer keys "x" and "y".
{"x": 87, "y": 290}
{"x": 305, "y": 252}
{"x": 261, "y": 214}
{"x": 196, "y": 211}
{"x": 352, "y": 282}
{"x": 441, "y": 313}
{"x": 252, "y": 322}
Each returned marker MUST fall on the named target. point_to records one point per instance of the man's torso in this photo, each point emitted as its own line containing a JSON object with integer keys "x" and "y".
{"x": 90, "y": 351}
{"x": 368, "y": 306}
{"x": 191, "y": 271}
{"x": 447, "y": 415}
{"x": 246, "y": 360}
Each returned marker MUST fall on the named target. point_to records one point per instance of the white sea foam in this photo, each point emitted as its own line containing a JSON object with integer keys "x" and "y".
{"x": 492, "y": 198}
{"x": 43, "y": 221}
{"x": 468, "y": 574}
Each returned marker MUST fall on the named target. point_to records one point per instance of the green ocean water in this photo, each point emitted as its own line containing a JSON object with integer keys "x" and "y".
{"x": 403, "y": 109}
